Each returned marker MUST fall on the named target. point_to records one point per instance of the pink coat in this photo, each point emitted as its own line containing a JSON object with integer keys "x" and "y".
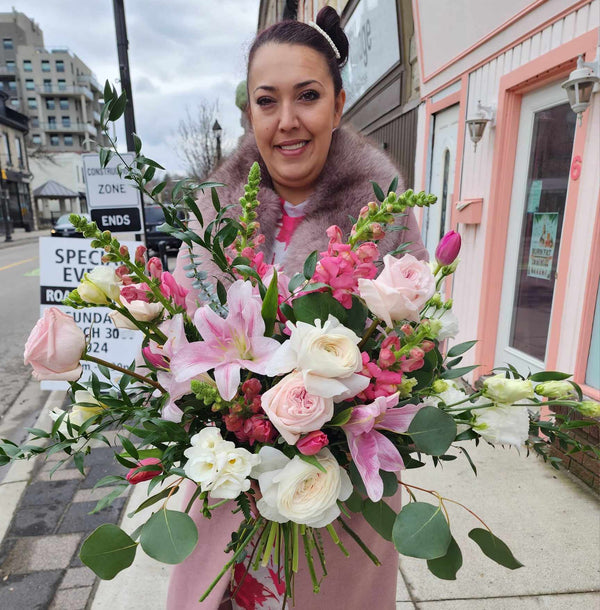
{"x": 353, "y": 583}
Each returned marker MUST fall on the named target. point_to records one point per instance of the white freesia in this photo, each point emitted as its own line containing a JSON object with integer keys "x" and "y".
{"x": 294, "y": 490}
{"x": 217, "y": 465}
{"x": 100, "y": 285}
{"x": 327, "y": 355}
{"x": 503, "y": 424}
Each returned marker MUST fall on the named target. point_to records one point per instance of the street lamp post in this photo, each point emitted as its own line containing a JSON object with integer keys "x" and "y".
{"x": 217, "y": 130}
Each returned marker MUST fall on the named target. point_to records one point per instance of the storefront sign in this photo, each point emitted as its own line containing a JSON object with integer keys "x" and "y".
{"x": 372, "y": 31}
{"x": 535, "y": 194}
{"x": 543, "y": 242}
{"x": 63, "y": 263}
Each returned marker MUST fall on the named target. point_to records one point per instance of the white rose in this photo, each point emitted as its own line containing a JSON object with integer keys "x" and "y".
{"x": 142, "y": 311}
{"x": 503, "y": 424}
{"x": 327, "y": 356}
{"x": 294, "y": 490}
{"x": 507, "y": 391}
{"x": 100, "y": 285}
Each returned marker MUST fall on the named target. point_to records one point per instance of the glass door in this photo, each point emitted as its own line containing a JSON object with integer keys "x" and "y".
{"x": 541, "y": 177}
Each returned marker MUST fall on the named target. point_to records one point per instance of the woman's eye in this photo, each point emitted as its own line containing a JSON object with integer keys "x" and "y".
{"x": 264, "y": 101}
{"x": 310, "y": 96}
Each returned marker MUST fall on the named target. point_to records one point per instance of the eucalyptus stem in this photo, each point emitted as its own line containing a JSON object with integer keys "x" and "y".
{"x": 243, "y": 544}
{"x": 125, "y": 371}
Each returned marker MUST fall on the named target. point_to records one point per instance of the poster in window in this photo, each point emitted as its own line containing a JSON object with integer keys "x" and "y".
{"x": 543, "y": 242}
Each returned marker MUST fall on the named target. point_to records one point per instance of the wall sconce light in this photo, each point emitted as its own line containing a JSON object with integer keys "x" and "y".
{"x": 476, "y": 125}
{"x": 583, "y": 81}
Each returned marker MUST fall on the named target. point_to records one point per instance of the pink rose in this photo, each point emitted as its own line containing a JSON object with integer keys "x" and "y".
{"x": 400, "y": 290}
{"x": 135, "y": 476}
{"x": 312, "y": 443}
{"x": 55, "y": 346}
{"x": 293, "y": 411}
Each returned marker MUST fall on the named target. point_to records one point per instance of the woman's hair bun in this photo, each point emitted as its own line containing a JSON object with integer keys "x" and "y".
{"x": 329, "y": 21}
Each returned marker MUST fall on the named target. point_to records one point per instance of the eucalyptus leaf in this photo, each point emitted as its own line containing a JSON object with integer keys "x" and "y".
{"x": 355, "y": 502}
{"x": 432, "y": 430}
{"x": 169, "y": 536}
{"x": 447, "y": 566}
{"x": 422, "y": 531}
{"x": 494, "y": 548}
{"x": 107, "y": 551}
{"x": 380, "y": 517}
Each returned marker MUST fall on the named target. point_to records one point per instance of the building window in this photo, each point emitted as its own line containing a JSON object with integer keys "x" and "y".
{"x": 29, "y": 84}
{"x": 32, "y": 103}
{"x": 63, "y": 103}
{"x": 27, "y": 67}
{"x": 7, "y": 149}
{"x": 54, "y": 141}
{"x": 60, "y": 65}
{"x": 68, "y": 140}
{"x": 35, "y": 122}
{"x": 15, "y": 102}
{"x": 47, "y": 85}
{"x": 62, "y": 84}
{"x": 36, "y": 139}
{"x": 66, "y": 121}
{"x": 45, "y": 65}
{"x": 7, "y": 43}
{"x": 52, "y": 122}
{"x": 10, "y": 65}
{"x": 12, "y": 85}
{"x": 20, "y": 152}
{"x": 50, "y": 104}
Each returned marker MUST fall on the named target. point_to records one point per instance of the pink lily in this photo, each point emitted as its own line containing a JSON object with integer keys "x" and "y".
{"x": 371, "y": 450}
{"x": 227, "y": 345}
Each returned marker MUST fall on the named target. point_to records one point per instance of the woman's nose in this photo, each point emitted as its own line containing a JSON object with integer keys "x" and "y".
{"x": 288, "y": 119}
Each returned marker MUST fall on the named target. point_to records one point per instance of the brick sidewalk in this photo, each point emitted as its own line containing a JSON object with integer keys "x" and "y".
{"x": 39, "y": 556}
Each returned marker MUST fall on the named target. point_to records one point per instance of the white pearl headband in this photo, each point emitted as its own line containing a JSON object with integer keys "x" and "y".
{"x": 327, "y": 38}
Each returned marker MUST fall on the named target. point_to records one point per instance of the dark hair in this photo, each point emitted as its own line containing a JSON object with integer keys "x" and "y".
{"x": 296, "y": 32}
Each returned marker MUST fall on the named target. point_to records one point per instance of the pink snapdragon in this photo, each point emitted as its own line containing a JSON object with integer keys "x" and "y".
{"x": 229, "y": 344}
{"x": 171, "y": 289}
{"x": 370, "y": 449}
{"x": 340, "y": 267}
{"x": 154, "y": 267}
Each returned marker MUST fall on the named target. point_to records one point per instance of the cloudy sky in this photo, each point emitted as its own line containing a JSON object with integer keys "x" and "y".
{"x": 180, "y": 52}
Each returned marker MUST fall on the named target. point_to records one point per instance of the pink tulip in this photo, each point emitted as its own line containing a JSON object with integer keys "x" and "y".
{"x": 448, "y": 248}
{"x": 135, "y": 476}
{"x": 312, "y": 443}
{"x": 55, "y": 346}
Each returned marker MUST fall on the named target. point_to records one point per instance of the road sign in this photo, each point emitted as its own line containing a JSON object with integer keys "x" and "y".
{"x": 117, "y": 219}
{"x": 63, "y": 263}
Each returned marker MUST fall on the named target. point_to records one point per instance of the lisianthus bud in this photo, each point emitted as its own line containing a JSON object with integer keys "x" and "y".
{"x": 554, "y": 389}
{"x": 312, "y": 443}
{"x": 155, "y": 267}
{"x": 448, "y": 248}
{"x": 589, "y": 408}
{"x": 135, "y": 475}
{"x": 439, "y": 386}
{"x": 507, "y": 391}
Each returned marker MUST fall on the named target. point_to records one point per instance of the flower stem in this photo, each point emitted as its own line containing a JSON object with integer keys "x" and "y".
{"x": 125, "y": 371}
{"x": 358, "y": 541}
{"x": 369, "y": 332}
{"x": 238, "y": 552}
{"x": 310, "y": 563}
{"x": 336, "y": 540}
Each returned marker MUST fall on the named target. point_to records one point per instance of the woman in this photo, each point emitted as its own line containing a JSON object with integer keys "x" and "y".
{"x": 313, "y": 175}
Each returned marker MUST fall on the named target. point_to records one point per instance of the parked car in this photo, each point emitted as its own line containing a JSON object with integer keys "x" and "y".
{"x": 63, "y": 228}
{"x": 154, "y": 218}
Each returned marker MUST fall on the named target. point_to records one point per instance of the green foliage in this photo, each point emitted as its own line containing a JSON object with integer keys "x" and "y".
{"x": 270, "y": 304}
{"x": 494, "y": 548}
{"x": 447, "y": 566}
{"x": 107, "y": 551}
{"x": 380, "y": 517}
{"x": 432, "y": 430}
{"x": 422, "y": 531}
{"x": 169, "y": 536}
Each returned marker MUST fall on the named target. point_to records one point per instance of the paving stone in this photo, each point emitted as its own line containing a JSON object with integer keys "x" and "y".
{"x": 31, "y": 591}
{"x": 37, "y": 520}
{"x": 62, "y": 474}
{"x": 49, "y": 492}
{"x": 92, "y": 495}
{"x": 10, "y": 494}
{"x": 78, "y": 520}
{"x": 78, "y": 577}
{"x": 102, "y": 455}
{"x": 71, "y": 599}
{"x": 98, "y": 471}
{"x": 41, "y": 553}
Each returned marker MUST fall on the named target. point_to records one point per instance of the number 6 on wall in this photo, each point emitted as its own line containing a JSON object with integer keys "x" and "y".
{"x": 576, "y": 167}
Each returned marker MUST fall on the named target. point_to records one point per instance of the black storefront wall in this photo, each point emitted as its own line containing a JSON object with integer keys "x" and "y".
{"x": 19, "y": 203}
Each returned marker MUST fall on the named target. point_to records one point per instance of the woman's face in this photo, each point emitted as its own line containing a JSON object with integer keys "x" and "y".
{"x": 293, "y": 111}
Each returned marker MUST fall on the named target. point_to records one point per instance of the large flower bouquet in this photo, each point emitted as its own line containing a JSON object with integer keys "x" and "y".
{"x": 295, "y": 401}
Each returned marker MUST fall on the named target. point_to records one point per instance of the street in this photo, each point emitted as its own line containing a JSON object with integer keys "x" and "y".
{"x": 19, "y": 278}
